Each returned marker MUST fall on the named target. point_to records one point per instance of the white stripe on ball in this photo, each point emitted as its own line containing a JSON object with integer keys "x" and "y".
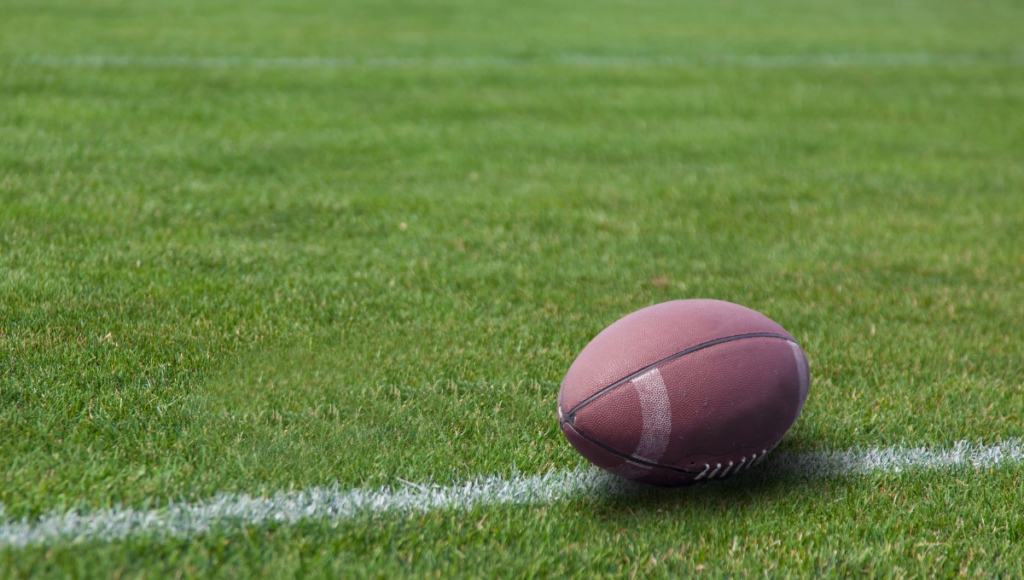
{"x": 657, "y": 416}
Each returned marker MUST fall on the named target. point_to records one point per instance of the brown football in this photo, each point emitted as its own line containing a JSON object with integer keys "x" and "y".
{"x": 684, "y": 391}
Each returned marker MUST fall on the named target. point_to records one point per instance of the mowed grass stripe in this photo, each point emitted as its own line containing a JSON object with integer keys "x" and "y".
{"x": 584, "y": 60}
{"x": 183, "y": 520}
{"x": 538, "y": 211}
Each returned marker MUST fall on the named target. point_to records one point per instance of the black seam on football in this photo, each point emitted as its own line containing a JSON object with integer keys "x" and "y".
{"x": 629, "y": 457}
{"x": 681, "y": 353}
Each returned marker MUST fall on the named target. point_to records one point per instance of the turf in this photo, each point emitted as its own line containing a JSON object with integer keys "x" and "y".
{"x": 251, "y": 278}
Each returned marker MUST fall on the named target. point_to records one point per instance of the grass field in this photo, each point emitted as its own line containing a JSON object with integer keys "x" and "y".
{"x": 251, "y": 247}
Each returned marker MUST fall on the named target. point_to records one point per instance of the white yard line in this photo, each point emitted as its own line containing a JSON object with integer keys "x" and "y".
{"x": 183, "y": 520}
{"x": 750, "y": 60}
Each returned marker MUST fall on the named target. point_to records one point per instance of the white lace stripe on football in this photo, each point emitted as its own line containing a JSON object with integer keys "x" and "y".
{"x": 801, "y": 370}
{"x": 657, "y": 416}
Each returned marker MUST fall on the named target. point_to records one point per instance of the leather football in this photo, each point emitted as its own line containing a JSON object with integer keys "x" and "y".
{"x": 683, "y": 392}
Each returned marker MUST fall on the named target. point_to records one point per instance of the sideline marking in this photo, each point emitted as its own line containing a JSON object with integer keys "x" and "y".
{"x": 581, "y": 60}
{"x": 333, "y": 503}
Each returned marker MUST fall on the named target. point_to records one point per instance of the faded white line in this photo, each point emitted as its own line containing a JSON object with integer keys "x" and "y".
{"x": 580, "y": 60}
{"x": 184, "y": 520}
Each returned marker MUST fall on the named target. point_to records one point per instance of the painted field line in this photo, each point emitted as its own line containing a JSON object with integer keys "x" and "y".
{"x": 184, "y": 520}
{"x": 580, "y": 60}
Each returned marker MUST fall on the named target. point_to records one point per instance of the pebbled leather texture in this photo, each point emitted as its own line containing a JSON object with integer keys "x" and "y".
{"x": 707, "y": 414}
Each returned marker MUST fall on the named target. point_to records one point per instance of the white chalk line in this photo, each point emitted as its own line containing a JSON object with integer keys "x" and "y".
{"x": 332, "y": 503}
{"x": 579, "y": 60}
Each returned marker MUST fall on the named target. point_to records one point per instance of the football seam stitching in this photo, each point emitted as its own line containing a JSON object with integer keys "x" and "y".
{"x": 682, "y": 353}
{"x": 627, "y": 456}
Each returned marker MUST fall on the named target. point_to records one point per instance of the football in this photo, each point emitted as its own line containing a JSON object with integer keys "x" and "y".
{"x": 683, "y": 392}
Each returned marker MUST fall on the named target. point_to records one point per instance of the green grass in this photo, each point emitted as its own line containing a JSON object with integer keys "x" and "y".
{"x": 206, "y": 286}
{"x": 906, "y": 527}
